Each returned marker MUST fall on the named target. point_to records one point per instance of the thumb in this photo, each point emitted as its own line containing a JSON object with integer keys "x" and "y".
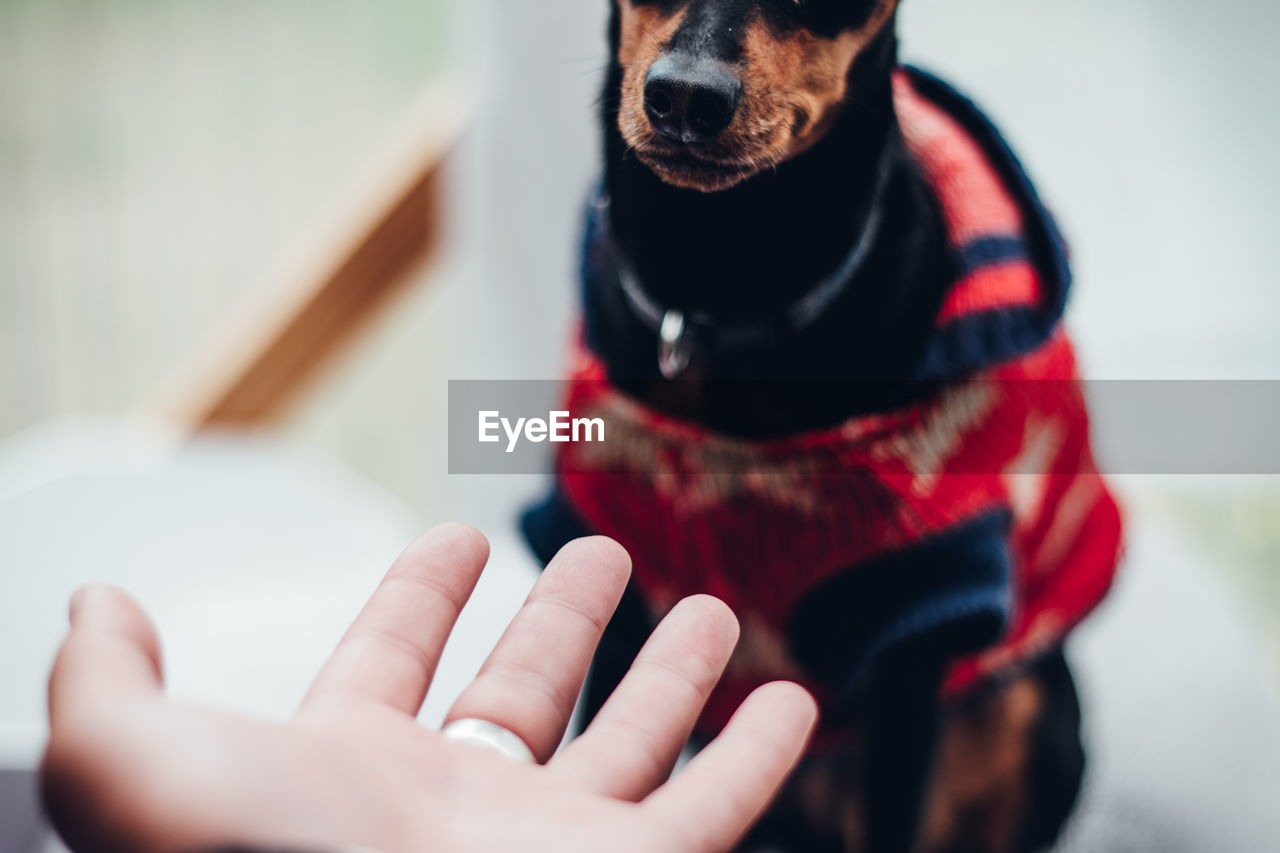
{"x": 111, "y": 654}
{"x": 111, "y": 651}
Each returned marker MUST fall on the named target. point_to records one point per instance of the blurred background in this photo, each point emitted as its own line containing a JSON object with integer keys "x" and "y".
{"x": 157, "y": 158}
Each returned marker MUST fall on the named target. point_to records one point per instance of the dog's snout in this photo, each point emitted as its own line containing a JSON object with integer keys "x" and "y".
{"x": 691, "y": 100}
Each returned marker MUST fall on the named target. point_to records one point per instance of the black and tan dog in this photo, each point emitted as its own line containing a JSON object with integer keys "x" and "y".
{"x": 771, "y": 256}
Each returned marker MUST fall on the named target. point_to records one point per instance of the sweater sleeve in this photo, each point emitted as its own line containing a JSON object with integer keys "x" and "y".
{"x": 945, "y": 597}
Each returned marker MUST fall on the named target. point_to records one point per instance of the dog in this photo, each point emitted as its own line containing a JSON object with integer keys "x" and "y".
{"x": 822, "y": 320}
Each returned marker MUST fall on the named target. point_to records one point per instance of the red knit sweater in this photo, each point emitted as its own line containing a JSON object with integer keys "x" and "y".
{"x": 1001, "y": 452}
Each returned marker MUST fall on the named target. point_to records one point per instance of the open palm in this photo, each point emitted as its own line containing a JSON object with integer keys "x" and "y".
{"x": 127, "y": 769}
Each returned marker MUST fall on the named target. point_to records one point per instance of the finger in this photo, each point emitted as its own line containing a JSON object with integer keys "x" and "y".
{"x": 531, "y": 681}
{"x": 389, "y": 654}
{"x": 631, "y": 746}
{"x": 722, "y": 791}
{"x": 111, "y": 651}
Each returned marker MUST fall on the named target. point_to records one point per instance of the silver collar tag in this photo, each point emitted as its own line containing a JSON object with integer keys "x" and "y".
{"x": 675, "y": 349}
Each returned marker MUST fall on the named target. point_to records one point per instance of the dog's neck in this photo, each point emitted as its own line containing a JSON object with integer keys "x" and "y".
{"x": 755, "y": 249}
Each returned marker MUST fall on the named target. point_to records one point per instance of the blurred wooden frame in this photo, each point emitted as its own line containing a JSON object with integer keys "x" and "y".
{"x": 328, "y": 285}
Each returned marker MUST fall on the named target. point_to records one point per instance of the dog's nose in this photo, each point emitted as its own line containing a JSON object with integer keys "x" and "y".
{"x": 689, "y": 99}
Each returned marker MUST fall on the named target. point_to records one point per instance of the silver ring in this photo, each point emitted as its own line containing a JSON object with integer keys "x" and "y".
{"x": 490, "y": 735}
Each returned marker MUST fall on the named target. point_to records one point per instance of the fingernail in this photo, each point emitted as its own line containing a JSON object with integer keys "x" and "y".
{"x": 77, "y": 598}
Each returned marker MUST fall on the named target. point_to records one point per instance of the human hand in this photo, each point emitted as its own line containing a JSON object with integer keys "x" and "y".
{"x": 128, "y": 769}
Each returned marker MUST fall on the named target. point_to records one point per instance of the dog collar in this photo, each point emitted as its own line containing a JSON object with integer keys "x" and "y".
{"x": 681, "y": 333}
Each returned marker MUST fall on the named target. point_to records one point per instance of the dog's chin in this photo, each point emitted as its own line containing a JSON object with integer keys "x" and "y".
{"x": 696, "y": 173}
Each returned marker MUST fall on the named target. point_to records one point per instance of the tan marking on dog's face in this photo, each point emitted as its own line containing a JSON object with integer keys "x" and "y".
{"x": 794, "y": 86}
{"x": 797, "y": 85}
{"x": 644, "y": 30}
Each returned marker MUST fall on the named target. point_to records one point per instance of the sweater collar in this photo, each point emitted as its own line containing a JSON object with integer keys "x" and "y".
{"x": 1010, "y": 276}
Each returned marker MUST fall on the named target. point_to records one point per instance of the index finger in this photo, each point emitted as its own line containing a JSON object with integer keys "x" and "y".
{"x": 389, "y": 654}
